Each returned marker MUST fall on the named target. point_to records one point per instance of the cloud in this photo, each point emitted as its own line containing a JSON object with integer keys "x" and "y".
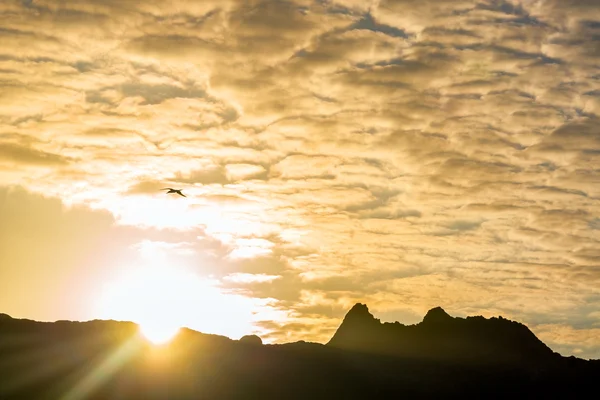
{"x": 145, "y": 187}
{"x": 210, "y": 175}
{"x": 250, "y": 278}
{"x": 152, "y": 94}
{"x": 19, "y": 154}
{"x": 241, "y": 171}
{"x": 48, "y": 250}
{"x": 580, "y": 342}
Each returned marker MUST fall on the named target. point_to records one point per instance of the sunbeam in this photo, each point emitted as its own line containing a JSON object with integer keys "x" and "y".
{"x": 104, "y": 370}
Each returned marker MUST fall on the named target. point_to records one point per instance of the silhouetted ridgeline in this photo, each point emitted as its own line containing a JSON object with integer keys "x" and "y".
{"x": 442, "y": 337}
{"x": 439, "y": 357}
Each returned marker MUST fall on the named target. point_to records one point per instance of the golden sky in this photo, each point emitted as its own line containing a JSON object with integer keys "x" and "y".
{"x": 406, "y": 154}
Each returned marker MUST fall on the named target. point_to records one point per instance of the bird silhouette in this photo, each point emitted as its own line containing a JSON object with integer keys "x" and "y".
{"x": 178, "y": 191}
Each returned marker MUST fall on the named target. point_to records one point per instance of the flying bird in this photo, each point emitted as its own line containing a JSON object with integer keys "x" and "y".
{"x": 178, "y": 191}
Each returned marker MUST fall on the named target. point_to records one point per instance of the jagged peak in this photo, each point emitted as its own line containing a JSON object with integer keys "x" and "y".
{"x": 359, "y": 312}
{"x": 436, "y": 315}
{"x": 356, "y": 322}
{"x": 359, "y": 307}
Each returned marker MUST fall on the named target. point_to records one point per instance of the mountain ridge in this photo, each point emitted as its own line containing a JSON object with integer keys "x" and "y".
{"x": 440, "y": 336}
{"x": 365, "y": 358}
{"x": 358, "y": 312}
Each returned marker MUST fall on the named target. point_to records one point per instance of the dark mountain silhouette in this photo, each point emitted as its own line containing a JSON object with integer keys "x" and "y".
{"x": 441, "y": 337}
{"x": 439, "y": 357}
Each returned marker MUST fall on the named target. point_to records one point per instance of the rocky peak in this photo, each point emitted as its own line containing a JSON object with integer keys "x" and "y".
{"x": 359, "y": 312}
{"x": 437, "y": 315}
{"x": 358, "y": 325}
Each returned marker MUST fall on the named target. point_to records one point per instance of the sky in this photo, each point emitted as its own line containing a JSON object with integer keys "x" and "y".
{"x": 404, "y": 154}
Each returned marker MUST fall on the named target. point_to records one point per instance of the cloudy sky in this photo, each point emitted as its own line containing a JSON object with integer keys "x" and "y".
{"x": 403, "y": 153}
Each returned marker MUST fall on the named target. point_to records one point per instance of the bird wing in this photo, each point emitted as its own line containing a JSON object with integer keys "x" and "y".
{"x": 166, "y": 189}
{"x": 181, "y": 194}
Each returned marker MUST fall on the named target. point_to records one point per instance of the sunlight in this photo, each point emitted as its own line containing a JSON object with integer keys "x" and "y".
{"x": 162, "y": 299}
{"x": 103, "y": 371}
{"x": 150, "y": 296}
{"x": 159, "y": 333}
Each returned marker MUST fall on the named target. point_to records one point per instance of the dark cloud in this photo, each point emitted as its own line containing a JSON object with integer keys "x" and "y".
{"x": 464, "y": 225}
{"x": 24, "y": 155}
{"x": 152, "y": 94}
{"x": 368, "y": 23}
{"x": 146, "y": 187}
{"x": 177, "y": 47}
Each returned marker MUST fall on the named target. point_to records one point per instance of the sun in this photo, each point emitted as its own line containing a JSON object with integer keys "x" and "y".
{"x": 158, "y": 333}
{"x": 154, "y": 297}
{"x": 162, "y": 298}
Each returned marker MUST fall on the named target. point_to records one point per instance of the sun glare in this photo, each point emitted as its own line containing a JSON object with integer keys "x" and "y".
{"x": 158, "y": 333}
{"x": 161, "y": 299}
